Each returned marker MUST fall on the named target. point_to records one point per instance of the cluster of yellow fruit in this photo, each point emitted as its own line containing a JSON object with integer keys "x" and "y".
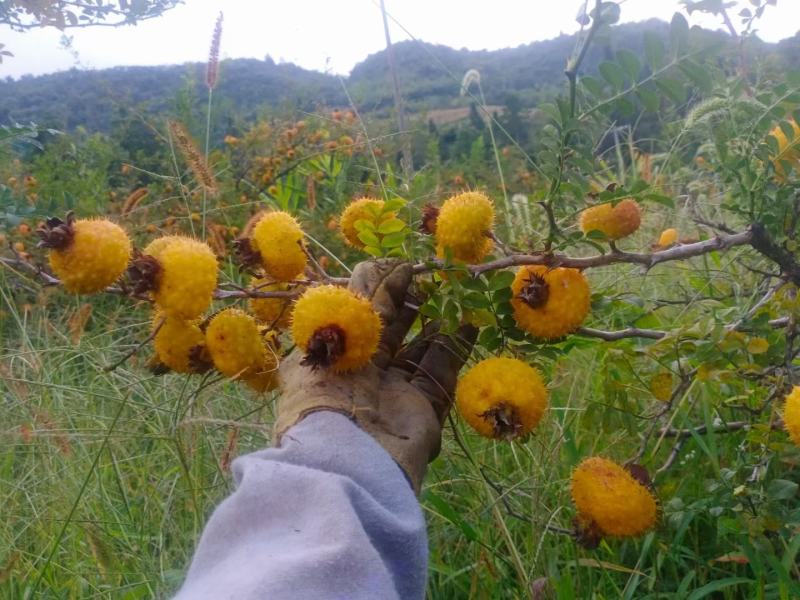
{"x": 336, "y": 328}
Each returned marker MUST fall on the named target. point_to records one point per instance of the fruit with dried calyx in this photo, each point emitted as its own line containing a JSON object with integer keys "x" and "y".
{"x": 502, "y": 398}
{"x": 239, "y": 349}
{"x": 549, "y": 303}
{"x": 612, "y": 500}
{"x": 87, "y": 255}
{"x": 464, "y": 227}
{"x": 180, "y": 345}
{"x": 615, "y": 221}
{"x": 274, "y": 241}
{"x": 182, "y": 278}
{"x": 336, "y": 328}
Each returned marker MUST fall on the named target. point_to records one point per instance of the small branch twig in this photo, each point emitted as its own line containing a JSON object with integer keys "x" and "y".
{"x": 137, "y": 347}
{"x": 630, "y": 332}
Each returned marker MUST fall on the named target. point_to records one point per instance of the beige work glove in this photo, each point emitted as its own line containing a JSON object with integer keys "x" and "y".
{"x": 403, "y": 397}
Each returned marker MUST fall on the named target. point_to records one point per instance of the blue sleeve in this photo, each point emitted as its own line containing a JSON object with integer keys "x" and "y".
{"x": 327, "y": 515}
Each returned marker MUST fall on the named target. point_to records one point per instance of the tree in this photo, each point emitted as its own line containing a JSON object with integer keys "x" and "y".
{"x": 23, "y": 15}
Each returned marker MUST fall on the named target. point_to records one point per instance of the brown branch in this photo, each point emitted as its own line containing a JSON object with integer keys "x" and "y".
{"x": 763, "y": 243}
{"x": 648, "y": 260}
{"x": 630, "y": 332}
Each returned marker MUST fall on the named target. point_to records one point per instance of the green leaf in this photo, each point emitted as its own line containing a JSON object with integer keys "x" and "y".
{"x": 697, "y": 74}
{"x": 592, "y": 85}
{"x": 649, "y": 99}
{"x": 475, "y": 300}
{"x": 781, "y": 489}
{"x": 678, "y": 34}
{"x": 661, "y": 199}
{"x": 630, "y": 62}
{"x": 364, "y": 225}
{"x": 653, "y": 50}
{"x": 373, "y": 251}
{"x": 392, "y": 225}
{"x": 716, "y": 586}
{"x": 449, "y": 513}
{"x": 672, "y": 88}
{"x": 369, "y": 238}
{"x": 501, "y": 280}
{"x": 393, "y": 240}
{"x": 393, "y": 205}
{"x": 613, "y": 74}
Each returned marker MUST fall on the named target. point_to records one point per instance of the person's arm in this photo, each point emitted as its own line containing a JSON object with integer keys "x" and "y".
{"x": 329, "y": 514}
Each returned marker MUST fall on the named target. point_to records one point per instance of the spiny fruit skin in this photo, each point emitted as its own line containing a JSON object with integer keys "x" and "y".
{"x": 279, "y": 240}
{"x": 361, "y": 208}
{"x": 791, "y": 414}
{"x": 276, "y": 312}
{"x": 611, "y": 500}
{"x": 177, "y": 341}
{"x": 615, "y": 221}
{"x": 187, "y": 278}
{"x": 238, "y": 349}
{"x": 336, "y": 318}
{"x": 94, "y": 258}
{"x": 667, "y": 238}
{"x": 502, "y": 398}
{"x": 561, "y": 307}
{"x": 464, "y": 225}
{"x": 157, "y": 246}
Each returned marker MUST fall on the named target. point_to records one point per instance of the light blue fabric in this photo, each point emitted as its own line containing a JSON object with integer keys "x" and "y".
{"x": 328, "y": 515}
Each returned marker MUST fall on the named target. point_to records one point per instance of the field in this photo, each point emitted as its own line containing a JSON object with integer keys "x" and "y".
{"x": 109, "y": 467}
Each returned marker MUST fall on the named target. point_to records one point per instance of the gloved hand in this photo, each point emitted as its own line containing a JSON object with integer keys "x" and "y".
{"x": 401, "y": 398}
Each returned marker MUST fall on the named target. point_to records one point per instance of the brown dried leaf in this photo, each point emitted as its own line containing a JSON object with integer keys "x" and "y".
{"x": 78, "y": 321}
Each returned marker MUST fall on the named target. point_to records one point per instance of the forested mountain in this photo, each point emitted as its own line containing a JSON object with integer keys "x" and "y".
{"x": 430, "y": 77}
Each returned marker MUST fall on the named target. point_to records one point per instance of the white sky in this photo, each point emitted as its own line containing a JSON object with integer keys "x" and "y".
{"x": 331, "y": 35}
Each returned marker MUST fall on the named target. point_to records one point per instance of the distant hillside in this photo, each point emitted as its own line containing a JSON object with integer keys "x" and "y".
{"x": 430, "y": 77}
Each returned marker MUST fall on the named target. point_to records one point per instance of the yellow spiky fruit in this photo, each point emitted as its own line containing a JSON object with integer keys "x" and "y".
{"x": 186, "y": 279}
{"x": 366, "y": 209}
{"x": 275, "y": 312}
{"x": 155, "y": 247}
{"x": 788, "y": 150}
{"x": 335, "y": 328}
{"x": 549, "y": 303}
{"x": 239, "y": 349}
{"x": 279, "y": 241}
{"x": 610, "y": 500}
{"x": 180, "y": 345}
{"x": 667, "y": 238}
{"x": 614, "y": 221}
{"x": 791, "y": 414}
{"x": 87, "y": 255}
{"x": 502, "y": 398}
{"x": 464, "y": 227}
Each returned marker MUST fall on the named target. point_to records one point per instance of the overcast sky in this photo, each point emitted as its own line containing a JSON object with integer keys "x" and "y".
{"x": 330, "y": 35}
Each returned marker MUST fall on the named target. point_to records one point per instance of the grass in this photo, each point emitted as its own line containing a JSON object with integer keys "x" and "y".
{"x": 106, "y": 478}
